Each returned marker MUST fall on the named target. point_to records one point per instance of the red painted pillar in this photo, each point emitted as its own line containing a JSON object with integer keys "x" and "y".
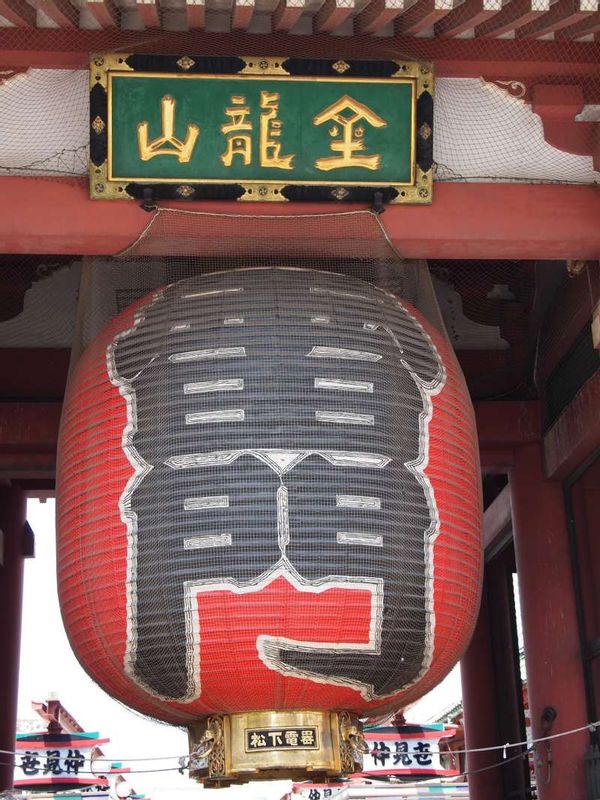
{"x": 12, "y": 522}
{"x": 479, "y": 709}
{"x": 552, "y": 651}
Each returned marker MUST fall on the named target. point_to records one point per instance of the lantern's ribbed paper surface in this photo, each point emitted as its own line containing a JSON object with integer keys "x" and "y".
{"x": 283, "y": 512}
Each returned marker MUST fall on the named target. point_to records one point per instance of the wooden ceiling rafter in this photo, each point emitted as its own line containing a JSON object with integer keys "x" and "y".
{"x": 423, "y": 15}
{"x": 241, "y": 14}
{"x": 467, "y": 16}
{"x": 286, "y": 14}
{"x": 562, "y": 14}
{"x": 521, "y": 20}
{"x": 148, "y": 12}
{"x": 195, "y": 11}
{"x": 61, "y": 12}
{"x": 19, "y": 13}
{"x": 106, "y": 13}
{"x": 513, "y": 16}
{"x": 331, "y": 15}
{"x": 377, "y": 14}
{"x": 590, "y": 25}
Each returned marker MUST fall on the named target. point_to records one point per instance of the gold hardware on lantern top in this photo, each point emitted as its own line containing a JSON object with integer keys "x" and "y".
{"x": 259, "y": 745}
{"x": 351, "y": 731}
{"x": 210, "y": 739}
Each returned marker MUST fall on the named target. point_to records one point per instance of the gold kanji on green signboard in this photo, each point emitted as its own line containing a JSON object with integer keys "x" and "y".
{"x": 239, "y": 129}
{"x": 182, "y": 150}
{"x": 352, "y": 140}
{"x": 268, "y": 129}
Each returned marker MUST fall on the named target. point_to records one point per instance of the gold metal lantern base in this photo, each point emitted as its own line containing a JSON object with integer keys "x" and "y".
{"x": 260, "y": 745}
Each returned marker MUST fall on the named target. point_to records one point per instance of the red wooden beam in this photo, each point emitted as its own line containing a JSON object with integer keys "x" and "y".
{"x": 28, "y": 436}
{"x": 21, "y": 467}
{"x": 29, "y": 433}
{"x": 480, "y": 708}
{"x": 377, "y": 14}
{"x": 287, "y": 14}
{"x": 496, "y": 518}
{"x": 553, "y": 657}
{"x": 528, "y": 61}
{"x": 29, "y": 427}
{"x": 565, "y": 320}
{"x": 467, "y": 16}
{"x": 507, "y": 423}
{"x": 18, "y": 12}
{"x": 422, "y": 15}
{"x": 30, "y": 374}
{"x": 576, "y": 433}
{"x": 562, "y": 14}
{"x": 496, "y": 459}
{"x": 13, "y": 516}
{"x": 514, "y": 221}
{"x": 557, "y": 105}
{"x": 331, "y": 15}
{"x": 242, "y": 13}
{"x": 513, "y": 16}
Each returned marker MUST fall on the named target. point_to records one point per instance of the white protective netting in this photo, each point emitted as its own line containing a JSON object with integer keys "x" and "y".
{"x": 482, "y": 131}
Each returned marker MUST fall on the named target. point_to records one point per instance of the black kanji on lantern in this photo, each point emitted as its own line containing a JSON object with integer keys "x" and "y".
{"x": 278, "y": 423}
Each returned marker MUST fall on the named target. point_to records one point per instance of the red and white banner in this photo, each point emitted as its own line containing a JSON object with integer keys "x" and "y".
{"x": 410, "y": 750}
{"x": 57, "y": 759}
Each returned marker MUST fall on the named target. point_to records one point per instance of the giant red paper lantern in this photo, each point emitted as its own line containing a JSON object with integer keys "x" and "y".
{"x": 268, "y": 499}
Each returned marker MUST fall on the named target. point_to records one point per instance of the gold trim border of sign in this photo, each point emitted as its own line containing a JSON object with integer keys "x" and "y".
{"x": 418, "y": 191}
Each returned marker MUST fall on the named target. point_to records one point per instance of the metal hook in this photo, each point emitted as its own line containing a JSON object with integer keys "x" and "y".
{"x": 203, "y": 749}
{"x": 358, "y": 743}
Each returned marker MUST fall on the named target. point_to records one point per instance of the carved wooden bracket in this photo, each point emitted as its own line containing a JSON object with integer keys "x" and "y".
{"x": 9, "y": 72}
{"x": 557, "y": 106}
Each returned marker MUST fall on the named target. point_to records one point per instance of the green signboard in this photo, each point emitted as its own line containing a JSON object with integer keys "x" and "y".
{"x": 260, "y": 129}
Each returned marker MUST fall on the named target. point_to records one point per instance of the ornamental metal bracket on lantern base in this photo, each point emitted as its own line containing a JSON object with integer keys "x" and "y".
{"x": 263, "y": 745}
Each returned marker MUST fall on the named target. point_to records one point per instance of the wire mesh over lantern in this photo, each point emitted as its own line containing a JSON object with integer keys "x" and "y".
{"x": 268, "y": 499}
